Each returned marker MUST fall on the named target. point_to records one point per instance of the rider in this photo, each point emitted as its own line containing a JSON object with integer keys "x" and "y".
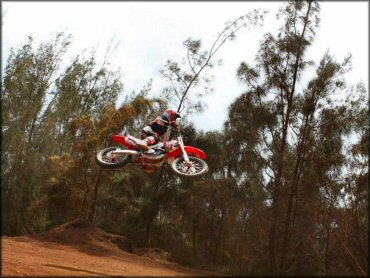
{"x": 158, "y": 129}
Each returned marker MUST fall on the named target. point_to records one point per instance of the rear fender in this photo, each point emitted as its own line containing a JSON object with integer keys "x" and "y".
{"x": 191, "y": 151}
{"x": 126, "y": 140}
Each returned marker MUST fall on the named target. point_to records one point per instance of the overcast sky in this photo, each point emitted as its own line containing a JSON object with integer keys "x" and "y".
{"x": 150, "y": 33}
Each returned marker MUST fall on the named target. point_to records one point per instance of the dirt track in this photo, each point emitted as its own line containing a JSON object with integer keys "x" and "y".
{"x": 26, "y": 256}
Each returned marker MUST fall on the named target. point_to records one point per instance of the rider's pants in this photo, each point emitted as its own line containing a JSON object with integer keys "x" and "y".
{"x": 148, "y": 135}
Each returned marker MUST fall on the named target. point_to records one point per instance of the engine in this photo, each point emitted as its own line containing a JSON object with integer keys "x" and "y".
{"x": 155, "y": 159}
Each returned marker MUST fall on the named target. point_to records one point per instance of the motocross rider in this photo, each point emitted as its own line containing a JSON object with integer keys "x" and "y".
{"x": 158, "y": 129}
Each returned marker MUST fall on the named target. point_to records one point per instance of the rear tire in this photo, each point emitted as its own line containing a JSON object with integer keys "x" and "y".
{"x": 105, "y": 160}
{"x": 199, "y": 167}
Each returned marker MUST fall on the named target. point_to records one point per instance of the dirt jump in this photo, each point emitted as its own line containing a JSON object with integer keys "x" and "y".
{"x": 80, "y": 249}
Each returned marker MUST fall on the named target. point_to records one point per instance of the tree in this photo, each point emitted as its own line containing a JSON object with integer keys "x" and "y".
{"x": 28, "y": 76}
{"x": 288, "y": 141}
{"x": 39, "y": 107}
{"x": 185, "y": 79}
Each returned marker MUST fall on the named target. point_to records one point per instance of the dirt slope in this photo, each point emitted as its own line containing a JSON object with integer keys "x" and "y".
{"x": 80, "y": 249}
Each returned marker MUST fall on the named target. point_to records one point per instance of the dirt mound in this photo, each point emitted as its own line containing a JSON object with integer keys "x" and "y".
{"x": 86, "y": 237}
{"x": 78, "y": 248}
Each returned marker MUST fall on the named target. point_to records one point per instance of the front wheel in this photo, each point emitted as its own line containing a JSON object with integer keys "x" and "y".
{"x": 195, "y": 168}
{"x": 107, "y": 160}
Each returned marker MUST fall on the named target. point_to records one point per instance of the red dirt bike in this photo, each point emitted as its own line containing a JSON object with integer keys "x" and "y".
{"x": 185, "y": 161}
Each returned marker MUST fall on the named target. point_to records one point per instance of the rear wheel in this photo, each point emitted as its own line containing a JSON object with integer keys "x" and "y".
{"x": 106, "y": 159}
{"x": 195, "y": 168}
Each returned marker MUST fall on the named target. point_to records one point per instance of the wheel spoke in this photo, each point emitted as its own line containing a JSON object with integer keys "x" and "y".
{"x": 195, "y": 168}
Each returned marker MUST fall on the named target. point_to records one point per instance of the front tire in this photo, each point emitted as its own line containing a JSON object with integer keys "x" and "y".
{"x": 105, "y": 159}
{"x": 199, "y": 167}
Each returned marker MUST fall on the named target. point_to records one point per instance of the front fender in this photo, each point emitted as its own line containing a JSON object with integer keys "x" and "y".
{"x": 192, "y": 151}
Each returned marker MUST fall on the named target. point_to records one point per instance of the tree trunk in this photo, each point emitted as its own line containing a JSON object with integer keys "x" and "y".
{"x": 288, "y": 230}
{"x": 273, "y": 233}
{"x": 218, "y": 239}
{"x": 278, "y": 180}
{"x": 154, "y": 208}
{"x": 194, "y": 237}
{"x": 91, "y": 212}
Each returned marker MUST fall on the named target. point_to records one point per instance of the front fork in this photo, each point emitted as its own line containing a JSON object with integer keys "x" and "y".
{"x": 181, "y": 143}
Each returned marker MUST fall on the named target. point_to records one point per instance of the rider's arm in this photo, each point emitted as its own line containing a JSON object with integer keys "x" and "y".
{"x": 166, "y": 136}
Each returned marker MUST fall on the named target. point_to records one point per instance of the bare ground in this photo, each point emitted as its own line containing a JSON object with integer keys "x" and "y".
{"x": 80, "y": 249}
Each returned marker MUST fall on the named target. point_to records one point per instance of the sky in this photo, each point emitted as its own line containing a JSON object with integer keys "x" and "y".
{"x": 150, "y": 33}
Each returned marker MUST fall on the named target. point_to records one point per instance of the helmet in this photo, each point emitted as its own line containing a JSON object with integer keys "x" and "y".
{"x": 170, "y": 116}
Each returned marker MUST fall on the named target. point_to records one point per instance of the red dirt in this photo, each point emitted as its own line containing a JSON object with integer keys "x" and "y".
{"x": 80, "y": 249}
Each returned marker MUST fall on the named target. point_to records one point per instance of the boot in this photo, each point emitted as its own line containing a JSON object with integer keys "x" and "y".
{"x": 142, "y": 144}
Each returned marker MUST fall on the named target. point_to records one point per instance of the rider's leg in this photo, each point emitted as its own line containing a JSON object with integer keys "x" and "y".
{"x": 145, "y": 143}
{"x": 148, "y": 137}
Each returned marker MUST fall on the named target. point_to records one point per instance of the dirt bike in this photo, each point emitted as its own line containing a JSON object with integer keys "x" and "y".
{"x": 185, "y": 161}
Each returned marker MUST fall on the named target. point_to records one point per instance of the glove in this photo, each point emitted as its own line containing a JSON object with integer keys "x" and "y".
{"x": 169, "y": 145}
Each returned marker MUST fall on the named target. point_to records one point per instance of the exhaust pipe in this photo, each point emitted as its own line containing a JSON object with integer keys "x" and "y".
{"x": 130, "y": 152}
